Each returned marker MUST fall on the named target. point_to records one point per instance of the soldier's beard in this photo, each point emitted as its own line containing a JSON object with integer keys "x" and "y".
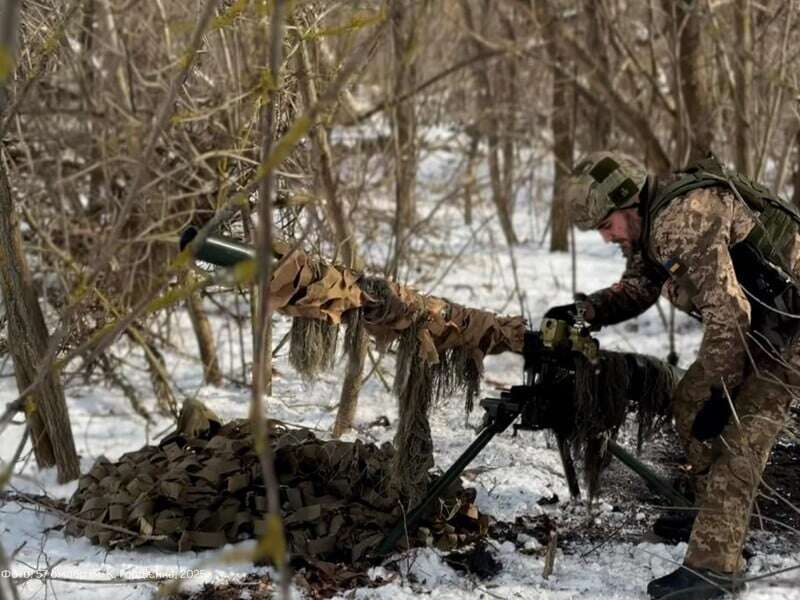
{"x": 630, "y": 248}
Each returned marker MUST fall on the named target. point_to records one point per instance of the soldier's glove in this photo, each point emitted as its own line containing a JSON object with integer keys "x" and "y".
{"x": 713, "y": 416}
{"x": 566, "y": 312}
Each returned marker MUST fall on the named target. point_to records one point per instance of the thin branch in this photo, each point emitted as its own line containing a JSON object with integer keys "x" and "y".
{"x": 434, "y": 79}
{"x": 262, "y": 355}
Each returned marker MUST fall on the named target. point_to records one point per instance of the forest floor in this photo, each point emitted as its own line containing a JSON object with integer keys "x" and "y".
{"x": 605, "y": 552}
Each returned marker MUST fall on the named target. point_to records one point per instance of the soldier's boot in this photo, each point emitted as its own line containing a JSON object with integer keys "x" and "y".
{"x": 674, "y": 526}
{"x": 693, "y": 584}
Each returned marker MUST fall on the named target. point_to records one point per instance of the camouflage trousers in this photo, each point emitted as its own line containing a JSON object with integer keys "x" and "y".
{"x": 729, "y": 468}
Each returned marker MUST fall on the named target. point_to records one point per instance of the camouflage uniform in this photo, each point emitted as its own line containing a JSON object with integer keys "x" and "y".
{"x": 691, "y": 238}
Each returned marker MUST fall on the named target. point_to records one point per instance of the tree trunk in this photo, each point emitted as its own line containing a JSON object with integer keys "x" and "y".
{"x": 470, "y": 180}
{"x": 404, "y": 21}
{"x": 345, "y": 240}
{"x": 159, "y": 378}
{"x": 357, "y": 345}
{"x": 694, "y": 69}
{"x": 335, "y": 211}
{"x": 490, "y": 125}
{"x": 561, "y": 127}
{"x": 602, "y": 122}
{"x": 45, "y": 407}
{"x": 743, "y": 93}
{"x": 509, "y": 102}
{"x": 796, "y": 175}
{"x": 205, "y": 340}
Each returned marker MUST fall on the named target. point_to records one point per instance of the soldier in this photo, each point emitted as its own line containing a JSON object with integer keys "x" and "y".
{"x": 727, "y": 251}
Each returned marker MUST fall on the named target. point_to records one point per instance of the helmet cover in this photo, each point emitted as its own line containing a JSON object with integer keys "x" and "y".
{"x": 602, "y": 183}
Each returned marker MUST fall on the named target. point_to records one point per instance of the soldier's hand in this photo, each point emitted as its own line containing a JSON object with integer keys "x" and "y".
{"x": 712, "y": 416}
{"x": 565, "y": 312}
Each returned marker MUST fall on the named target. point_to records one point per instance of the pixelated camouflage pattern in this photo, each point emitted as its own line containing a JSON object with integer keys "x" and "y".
{"x": 738, "y": 458}
{"x": 695, "y": 232}
{"x": 588, "y": 200}
{"x": 692, "y": 236}
{"x": 691, "y": 393}
{"x": 636, "y": 291}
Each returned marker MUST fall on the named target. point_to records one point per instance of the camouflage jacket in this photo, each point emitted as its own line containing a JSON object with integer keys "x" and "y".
{"x": 690, "y": 238}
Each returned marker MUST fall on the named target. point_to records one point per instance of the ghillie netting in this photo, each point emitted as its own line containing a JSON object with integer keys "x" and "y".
{"x": 440, "y": 351}
{"x": 312, "y": 341}
{"x": 441, "y": 345}
{"x": 312, "y": 346}
{"x": 604, "y": 394}
{"x": 204, "y": 490}
{"x": 414, "y": 387}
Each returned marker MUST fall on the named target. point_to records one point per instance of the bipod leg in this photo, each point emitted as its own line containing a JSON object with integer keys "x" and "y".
{"x": 663, "y": 488}
{"x": 569, "y": 467}
{"x": 439, "y": 486}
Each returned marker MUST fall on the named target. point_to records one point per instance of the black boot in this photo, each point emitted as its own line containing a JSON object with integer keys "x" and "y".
{"x": 694, "y": 584}
{"x": 674, "y": 526}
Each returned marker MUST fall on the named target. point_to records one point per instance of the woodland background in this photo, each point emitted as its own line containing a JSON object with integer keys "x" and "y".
{"x": 123, "y": 122}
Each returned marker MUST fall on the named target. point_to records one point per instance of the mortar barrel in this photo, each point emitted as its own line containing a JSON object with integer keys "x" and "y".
{"x": 219, "y": 251}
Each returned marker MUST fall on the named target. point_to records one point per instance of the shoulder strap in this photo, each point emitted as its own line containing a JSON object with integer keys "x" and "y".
{"x": 776, "y": 221}
{"x": 708, "y": 172}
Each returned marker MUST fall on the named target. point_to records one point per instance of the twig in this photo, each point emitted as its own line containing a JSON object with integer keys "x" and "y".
{"x": 48, "y": 47}
{"x": 391, "y": 102}
{"x": 12, "y": 408}
{"x": 21, "y": 446}
{"x": 272, "y": 542}
{"x": 105, "y": 252}
{"x": 8, "y": 589}
{"x": 17, "y": 495}
{"x": 550, "y": 556}
{"x": 376, "y": 369}
{"x": 606, "y": 540}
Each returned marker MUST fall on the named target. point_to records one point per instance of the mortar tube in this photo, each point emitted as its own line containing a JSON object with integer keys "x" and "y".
{"x": 663, "y": 488}
{"x": 218, "y": 251}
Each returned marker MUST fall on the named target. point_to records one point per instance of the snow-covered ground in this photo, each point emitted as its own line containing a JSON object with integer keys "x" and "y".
{"x": 475, "y": 269}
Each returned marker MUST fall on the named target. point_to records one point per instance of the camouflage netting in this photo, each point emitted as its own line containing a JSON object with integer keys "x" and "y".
{"x": 605, "y": 394}
{"x": 441, "y": 350}
{"x": 312, "y": 346}
{"x": 441, "y": 344}
{"x": 309, "y": 288}
{"x": 203, "y": 490}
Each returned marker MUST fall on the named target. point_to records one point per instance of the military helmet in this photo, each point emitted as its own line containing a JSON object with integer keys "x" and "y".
{"x": 601, "y": 183}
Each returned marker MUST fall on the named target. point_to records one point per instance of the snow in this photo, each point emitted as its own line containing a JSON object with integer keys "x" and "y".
{"x": 514, "y": 473}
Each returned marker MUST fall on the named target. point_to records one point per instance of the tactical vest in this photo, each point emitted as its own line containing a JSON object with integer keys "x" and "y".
{"x": 776, "y": 222}
{"x": 762, "y": 260}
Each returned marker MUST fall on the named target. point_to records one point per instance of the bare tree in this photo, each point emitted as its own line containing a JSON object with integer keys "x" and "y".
{"x": 205, "y": 340}
{"x": 689, "y": 24}
{"x": 744, "y": 143}
{"x": 344, "y": 235}
{"x": 262, "y": 352}
{"x": 323, "y": 163}
{"x": 561, "y": 125}
{"x": 405, "y": 18}
{"x": 45, "y": 408}
{"x": 598, "y": 45}
{"x": 490, "y": 125}
{"x": 796, "y": 175}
